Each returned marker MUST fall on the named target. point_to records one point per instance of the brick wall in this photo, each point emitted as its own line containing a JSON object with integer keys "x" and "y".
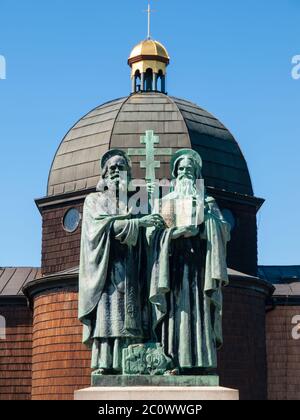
{"x": 283, "y": 354}
{"x": 60, "y": 363}
{"x": 242, "y": 359}
{"x": 60, "y": 249}
{"x": 15, "y": 353}
{"x": 242, "y": 248}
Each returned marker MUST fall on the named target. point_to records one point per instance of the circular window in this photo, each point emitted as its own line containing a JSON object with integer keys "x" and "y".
{"x": 71, "y": 220}
{"x": 229, "y": 217}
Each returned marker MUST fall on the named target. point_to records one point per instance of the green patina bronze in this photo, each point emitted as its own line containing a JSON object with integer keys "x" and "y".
{"x": 187, "y": 272}
{"x": 113, "y": 296}
{"x": 150, "y": 164}
{"x": 152, "y": 380}
{"x": 150, "y": 294}
{"x": 145, "y": 359}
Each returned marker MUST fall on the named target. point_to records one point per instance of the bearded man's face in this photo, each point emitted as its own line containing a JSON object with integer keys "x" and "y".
{"x": 116, "y": 173}
{"x": 185, "y": 181}
{"x": 186, "y": 169}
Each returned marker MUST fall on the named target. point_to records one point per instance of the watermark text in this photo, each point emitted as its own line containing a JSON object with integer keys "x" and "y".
{"x": 2, "y": 68}
{"x": 296, "y": 328}
{"x": 2, "y": 328}
{"x": 296, "y": 67}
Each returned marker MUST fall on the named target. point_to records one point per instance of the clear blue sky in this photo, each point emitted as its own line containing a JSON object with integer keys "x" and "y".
{"x": 232, "y": 57}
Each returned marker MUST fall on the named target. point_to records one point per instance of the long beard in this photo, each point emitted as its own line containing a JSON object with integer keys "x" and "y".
{"x": 185, "y": 187}
{"x": 114, "y": 196}
{"x": 112, "y": 186}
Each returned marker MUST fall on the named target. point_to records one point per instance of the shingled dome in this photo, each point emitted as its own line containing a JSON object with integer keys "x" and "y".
{"x": 121, "y": 123}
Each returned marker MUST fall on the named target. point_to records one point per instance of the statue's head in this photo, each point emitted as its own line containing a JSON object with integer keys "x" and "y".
{"x": 186, "y": 165}
{"x": 115, "y": 168}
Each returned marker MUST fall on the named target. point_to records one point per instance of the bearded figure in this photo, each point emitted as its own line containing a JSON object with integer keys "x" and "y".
{"x": 188, "y": 270}
{"x": 113, "y": 294}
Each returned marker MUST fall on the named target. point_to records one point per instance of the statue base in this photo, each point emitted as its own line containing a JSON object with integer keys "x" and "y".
{"x": 157, "y": 393}
{"x": 154, "y": 380}
{"x": 151, "y": 387}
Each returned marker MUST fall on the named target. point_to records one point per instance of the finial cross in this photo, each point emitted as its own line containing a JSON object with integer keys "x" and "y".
{"x": 149, "y": 11}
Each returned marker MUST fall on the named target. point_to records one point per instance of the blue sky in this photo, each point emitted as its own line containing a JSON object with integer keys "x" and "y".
{"x": 233, "y": 58}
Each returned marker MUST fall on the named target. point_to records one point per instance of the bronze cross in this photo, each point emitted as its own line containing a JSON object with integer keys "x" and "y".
{"x": 150, "y": 164}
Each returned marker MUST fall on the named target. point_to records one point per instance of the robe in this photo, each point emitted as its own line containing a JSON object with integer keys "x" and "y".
{"x": 112, "y": 291}
{"x": 185, "y": 290}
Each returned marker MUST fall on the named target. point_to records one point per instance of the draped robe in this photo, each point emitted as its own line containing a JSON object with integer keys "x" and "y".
{"x": 112, "y": 292}
{"x": 185, "y": 290}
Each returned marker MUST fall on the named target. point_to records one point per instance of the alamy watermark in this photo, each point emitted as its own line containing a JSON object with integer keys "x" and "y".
{"x": 296, "y": 328}
{"x": 296, "y": 67}
{"x": 144, "y": 198}
{"x": 2, "y": 328}
{"x": 2, "y": 67}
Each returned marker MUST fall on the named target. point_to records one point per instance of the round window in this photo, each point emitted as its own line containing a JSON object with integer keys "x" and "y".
{"x": 71, "y": 220}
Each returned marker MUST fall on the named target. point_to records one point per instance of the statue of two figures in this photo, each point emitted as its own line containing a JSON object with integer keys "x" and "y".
{"x": 150, "y": 286}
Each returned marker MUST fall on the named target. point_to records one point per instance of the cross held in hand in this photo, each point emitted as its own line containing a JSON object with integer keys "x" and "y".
{"x": 150, "y": 164}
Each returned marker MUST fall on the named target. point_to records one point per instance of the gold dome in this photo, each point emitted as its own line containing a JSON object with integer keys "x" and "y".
{"x": 149, "y": 49}
{"x": 148, "y": 61}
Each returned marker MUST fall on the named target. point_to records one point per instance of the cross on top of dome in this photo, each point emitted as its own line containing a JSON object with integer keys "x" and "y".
{"x": 149, "y": 10}
{"x": 148, "y": 61}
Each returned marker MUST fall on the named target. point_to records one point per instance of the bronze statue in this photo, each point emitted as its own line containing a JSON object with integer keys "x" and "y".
{"x": 189, "y": 270}
{"x": 157, "y": 302}
{"x": 113, "y": 295}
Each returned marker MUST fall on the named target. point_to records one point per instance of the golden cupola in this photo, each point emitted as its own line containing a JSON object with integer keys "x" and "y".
{"x": 148, "y": 61}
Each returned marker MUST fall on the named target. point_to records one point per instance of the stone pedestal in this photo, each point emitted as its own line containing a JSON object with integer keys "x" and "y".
{"x": 159, "y": 388}
{"x": 157, "y": 393}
